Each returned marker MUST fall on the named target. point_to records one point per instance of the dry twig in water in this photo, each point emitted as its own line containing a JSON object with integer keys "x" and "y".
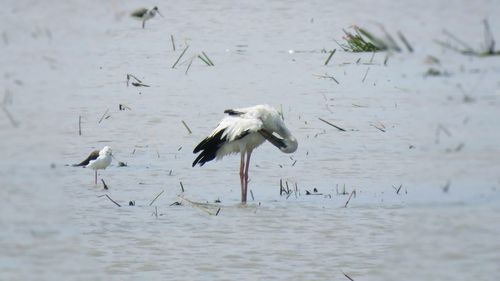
{"x": 202, "y": 206}
{"x": 326, "y": 76}
{"x": 380, "y": 126}
{"x": 110, "y": 199}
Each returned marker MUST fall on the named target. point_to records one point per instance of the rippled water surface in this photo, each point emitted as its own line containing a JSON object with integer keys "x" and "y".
{"x": 65, "y": 59}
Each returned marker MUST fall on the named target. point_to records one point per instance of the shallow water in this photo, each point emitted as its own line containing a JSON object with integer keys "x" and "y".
{"x": 59, "y": 63}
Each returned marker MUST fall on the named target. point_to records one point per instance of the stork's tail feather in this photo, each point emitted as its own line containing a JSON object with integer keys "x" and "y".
{"x": 209, "y": 147}
{"x": 232, "y": 112}
{"x": 93, "y": 155}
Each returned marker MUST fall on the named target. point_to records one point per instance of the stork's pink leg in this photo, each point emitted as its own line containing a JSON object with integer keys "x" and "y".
{"x": 242, "y": 178}
{"x": 96, "y": 176}
{"x": 246, "y": 174}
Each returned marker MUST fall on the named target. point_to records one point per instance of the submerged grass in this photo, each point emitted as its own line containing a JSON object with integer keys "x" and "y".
{"x": 361, "y": 40}
{"x": 462, "y": 47}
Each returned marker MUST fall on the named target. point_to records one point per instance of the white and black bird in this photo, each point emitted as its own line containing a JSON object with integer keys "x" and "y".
{"x": 242, "y": 131}
{"x": 145, "y": 14}
{"x": 98, "y": 160}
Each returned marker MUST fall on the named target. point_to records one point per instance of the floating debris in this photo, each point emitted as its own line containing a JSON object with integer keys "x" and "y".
{"x": 123, "y": 107}
{"x": 132, "y": 76}
{"x": 138, "y": 84}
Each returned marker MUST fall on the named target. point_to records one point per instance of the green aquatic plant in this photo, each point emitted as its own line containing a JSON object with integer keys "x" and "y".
{"x": 361, "y": 40}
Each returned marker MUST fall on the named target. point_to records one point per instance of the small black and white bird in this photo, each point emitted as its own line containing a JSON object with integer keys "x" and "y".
{"x": 145, "y": 14}
{"x": 242, "y": 131}
{"x": 97, "y": 160}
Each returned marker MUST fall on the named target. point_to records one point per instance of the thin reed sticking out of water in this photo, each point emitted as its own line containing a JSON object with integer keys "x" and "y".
{"x": 349, "y": 199}
{"x": 189, "y": 65}
{"x": 335, "y": 126}
{"x": 186, "y": 126}
{"x": 330, "y": 56}
{"x": 180, "y": 56}
{"x": 173, "y": 43}
{"x": 105, "y": 186}
{"x": 151, "y": 203}
{"x": 102, "y": 117}
{"x": 347, "y": 276}
{"x": 366, "y": 73}
{"x": 208, "y": 59}
{"x": 397, "y": 189}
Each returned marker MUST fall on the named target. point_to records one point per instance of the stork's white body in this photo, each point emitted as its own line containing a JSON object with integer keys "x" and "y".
{"x": 243, "y": 131}
{"x": 102, "y": 161}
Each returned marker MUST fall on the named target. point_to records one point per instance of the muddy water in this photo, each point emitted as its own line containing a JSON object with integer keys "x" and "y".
{"x": 60, "y": 61}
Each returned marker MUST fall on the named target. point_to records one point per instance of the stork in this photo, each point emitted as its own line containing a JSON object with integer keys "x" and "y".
{"x": 145, "y": 14}
{"x": 98, "y": 160}
{"x": 242, "y": 131}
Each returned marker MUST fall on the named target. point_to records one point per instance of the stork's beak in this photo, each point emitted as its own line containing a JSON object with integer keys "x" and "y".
{"x": 279, "y": 143}
{"x": 158, "y": 11}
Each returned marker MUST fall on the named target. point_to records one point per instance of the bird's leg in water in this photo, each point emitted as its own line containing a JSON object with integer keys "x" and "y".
{"x": 242, "y": 177}
{"x": 246, "y": 174}
{"x": 96, "y": 176}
